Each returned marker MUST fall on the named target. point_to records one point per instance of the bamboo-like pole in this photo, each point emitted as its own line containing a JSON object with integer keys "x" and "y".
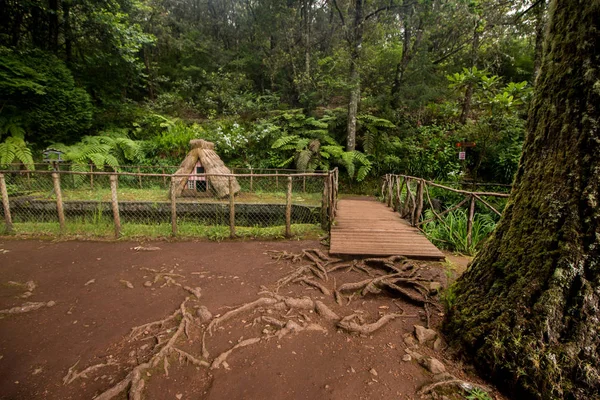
{"x": 456, "y": 207}
{"x": 251, "y": 181}
{"x": 164, "y": 178}
{"x": 288, "y": 209}
{"x": 324, "y": 199}
{"x": 304, "y": 184}
{"x": 390, "y": 195}
{"x": 6, "y": 204}
{"x": 331, "y": 197}
{"x": 277, "y": 179}
{"x": 114, "y": 181}
{"x": 59, "y": 202}
{"x": 140, "y": 177}
{"x": 487, "y": 204}
{"x": 231, "y": 209}
{"x": 419, "y": 205}
{"x": 173, "y": 207}
{"x": 324, "y": 174}
{"x": 470, "y": 221}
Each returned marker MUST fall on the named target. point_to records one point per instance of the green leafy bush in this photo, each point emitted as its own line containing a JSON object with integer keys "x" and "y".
{"x": 39, "y": 89}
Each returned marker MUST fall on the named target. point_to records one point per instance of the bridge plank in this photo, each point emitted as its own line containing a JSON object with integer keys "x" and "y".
{"x": 368, "y": 227}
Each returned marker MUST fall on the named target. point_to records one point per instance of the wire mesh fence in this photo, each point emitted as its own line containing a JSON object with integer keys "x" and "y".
{"x": 156, "y": 204}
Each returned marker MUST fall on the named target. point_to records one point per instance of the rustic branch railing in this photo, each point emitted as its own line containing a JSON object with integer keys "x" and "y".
{"x": 397, "y": 193}
{"x": 66, "y": 197}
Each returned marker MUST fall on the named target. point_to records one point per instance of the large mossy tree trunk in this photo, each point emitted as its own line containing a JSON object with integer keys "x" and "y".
{"x": 527, "y": 311}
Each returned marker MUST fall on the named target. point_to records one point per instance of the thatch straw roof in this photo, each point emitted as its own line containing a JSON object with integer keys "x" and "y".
{"x": 204, "y": 151}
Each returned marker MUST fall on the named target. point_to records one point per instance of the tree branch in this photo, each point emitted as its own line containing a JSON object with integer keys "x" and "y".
{"x": 339, "y": 12}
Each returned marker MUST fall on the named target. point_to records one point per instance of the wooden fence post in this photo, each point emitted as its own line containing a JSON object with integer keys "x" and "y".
{"x": 164, "y": 177}
{"x": 59, "y": 202}
{"x": 277, "y": 179}
{"x": 6, "y": 205}
{"x": 231, "y": 209}
{"x": 173, "y": 207}
{"x": 304, "y": 184}
{"x": 470, "y": 222}
{"x": 140, "y": 177}
{"x": 91, "y": 176}
{"x": 324, "y": 203}
{"x": 419, "y": 202}
{"x": 288, "y": 209}
{"x": 390, "y": 190}
{"x": 114, "y": 181}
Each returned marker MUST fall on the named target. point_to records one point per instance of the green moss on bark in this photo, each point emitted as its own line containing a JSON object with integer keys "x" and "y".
{"x": 527, "y": 310}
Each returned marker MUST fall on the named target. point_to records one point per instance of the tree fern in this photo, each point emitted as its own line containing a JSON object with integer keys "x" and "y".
{"x": 14, "y": 148}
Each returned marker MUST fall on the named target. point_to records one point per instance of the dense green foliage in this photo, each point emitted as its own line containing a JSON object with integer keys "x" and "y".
{"x": 272, "y": 83}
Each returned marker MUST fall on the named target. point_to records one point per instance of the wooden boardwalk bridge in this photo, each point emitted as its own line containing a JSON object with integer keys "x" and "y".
{"x": 364, "y": 226}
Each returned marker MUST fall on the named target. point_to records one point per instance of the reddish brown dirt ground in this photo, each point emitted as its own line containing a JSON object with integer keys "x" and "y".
{"x": 91, "y": 323}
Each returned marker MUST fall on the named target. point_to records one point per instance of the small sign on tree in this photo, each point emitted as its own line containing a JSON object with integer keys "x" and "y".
{"x": 462, "y": 155}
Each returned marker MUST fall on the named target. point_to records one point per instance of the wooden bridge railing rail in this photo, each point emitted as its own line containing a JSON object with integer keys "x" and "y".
{"x": 397, "y": 193}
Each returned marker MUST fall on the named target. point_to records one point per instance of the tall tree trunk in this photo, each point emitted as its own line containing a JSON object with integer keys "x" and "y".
{"x": 468, "y": 99}
{"x": 527, "y": 309}
{"x": 67, "y": 31}
{"x": 53, "y": 25}
{"x": 355, "y": 48}
{"x": 540, "y": 27}
{"x": 307, "y": 6}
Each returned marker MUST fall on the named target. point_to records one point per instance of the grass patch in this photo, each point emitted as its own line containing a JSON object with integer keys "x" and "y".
{"x": 161, "y": 195}
{"x": 185, "y": 230}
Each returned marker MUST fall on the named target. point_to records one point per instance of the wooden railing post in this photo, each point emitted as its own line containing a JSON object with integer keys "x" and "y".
{"x": 324, "y": 200}
{"x": 418, "y": 202}
{"x": 6, "y": 204}
{"x": 390, "y": 188}
{"x": 277, "y": 179}
{"x": 164, "y": 177}
{"x": 288, "y": 209}
{"x": 173, "y": 206}
{"x": 114, "y": 181}
{"x": 251, "y": 181}
{"x": 231, "y": 209}
{"x": 59, "y": 202}
{"x": 470, "y": 222}
{"x": 140, "y": 177}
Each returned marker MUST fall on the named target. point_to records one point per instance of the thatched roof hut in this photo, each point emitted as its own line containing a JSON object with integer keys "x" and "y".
{"x": 203, "y": 153}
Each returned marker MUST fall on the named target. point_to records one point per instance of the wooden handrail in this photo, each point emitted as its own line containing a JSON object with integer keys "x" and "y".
{"x": 412, "y": 206}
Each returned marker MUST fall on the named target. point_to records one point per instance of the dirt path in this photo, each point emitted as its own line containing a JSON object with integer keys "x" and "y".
{"x": 92, "y": 311}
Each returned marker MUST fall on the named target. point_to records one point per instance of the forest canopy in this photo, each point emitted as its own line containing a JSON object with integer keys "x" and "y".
{"x": 371, "y": 86}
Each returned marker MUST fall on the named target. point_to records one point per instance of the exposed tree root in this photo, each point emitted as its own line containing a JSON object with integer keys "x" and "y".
{"x": 315, "y": 284}
{"x": 142, "y": 329}
{"x": 223, "y": 356}
{"x": 72, "y": 374}
{"x": 348, "y": 323}
{"x": 261, "y": 302}
{"x": 134, "y": 380}
{"x": 26, "y": 307}
{"x": 325, "y": 311}
{"x": 453, "y": 381}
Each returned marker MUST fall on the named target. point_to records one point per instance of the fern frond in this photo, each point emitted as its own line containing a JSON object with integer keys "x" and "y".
{"x": 282, "y": 141}
{"x": 303, "y": 159}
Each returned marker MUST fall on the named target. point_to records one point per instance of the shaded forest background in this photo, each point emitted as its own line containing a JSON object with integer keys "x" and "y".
{"x": 369, "y": 86}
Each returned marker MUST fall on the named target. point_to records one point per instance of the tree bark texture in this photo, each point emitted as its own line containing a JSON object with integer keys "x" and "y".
{"x": 540, "y": 29}
{"x": 355, "y": 48}
{"x": 527, "y": 310}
